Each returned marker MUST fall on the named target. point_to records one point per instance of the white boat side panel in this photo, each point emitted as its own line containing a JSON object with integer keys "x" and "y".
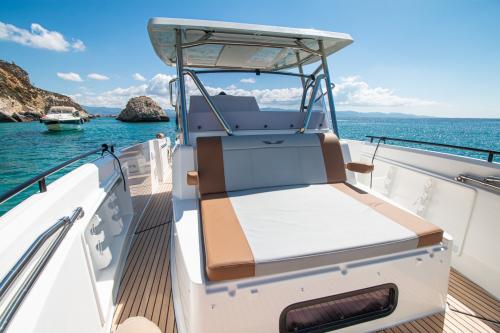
{"x": 469, "y": 213}
{"x": 66, "y": 301}
{"x": 300, "y": 221}
{"x": 420, "y": 275}
{"x": 431, "y": 197}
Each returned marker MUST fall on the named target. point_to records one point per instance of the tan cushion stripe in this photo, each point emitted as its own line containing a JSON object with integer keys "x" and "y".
{"x": 428, "y": 234}
{"x": 210, "y": 165}
{"x": 332, "y": 156}
{"x": 359, "y": 167}
{"x": 227, "y": 252}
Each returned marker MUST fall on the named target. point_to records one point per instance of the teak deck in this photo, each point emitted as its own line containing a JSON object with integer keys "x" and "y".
{"x": 146, "y": 287}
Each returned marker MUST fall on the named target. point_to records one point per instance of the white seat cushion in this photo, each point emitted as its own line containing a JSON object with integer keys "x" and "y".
{"x": 297, "y": 227}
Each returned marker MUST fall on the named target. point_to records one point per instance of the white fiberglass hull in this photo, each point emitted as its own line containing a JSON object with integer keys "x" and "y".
{"x": 63, "y": 126}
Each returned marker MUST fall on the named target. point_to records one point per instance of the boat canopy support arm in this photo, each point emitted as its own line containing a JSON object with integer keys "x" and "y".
{"x": 181, "y": 87}
{"x": 209, "y": 101}
{"x": 329, "y": 90}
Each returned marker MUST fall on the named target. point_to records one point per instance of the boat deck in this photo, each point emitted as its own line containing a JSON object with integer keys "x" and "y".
{"x": 146, "y": 287}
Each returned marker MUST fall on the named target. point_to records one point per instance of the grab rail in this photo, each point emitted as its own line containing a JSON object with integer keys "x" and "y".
{"x": 209, "y": 101}
{"x": 491, "y": 153}
{"x": 40, "y": 179}
{"x": 64, "y": 224}
{"x": 312, "y": 99}
{"x": 485, "y": 181}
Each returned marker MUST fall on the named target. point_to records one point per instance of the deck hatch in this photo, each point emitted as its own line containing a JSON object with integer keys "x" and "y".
{"x": 338, "y": 311}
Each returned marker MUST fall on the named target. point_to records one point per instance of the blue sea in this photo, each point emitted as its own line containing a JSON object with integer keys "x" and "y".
{"x": 27, "y": 149}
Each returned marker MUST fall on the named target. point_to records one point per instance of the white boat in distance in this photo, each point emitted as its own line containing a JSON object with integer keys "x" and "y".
{"x": 62, "y": 118}
{"x": 255, "y": 220}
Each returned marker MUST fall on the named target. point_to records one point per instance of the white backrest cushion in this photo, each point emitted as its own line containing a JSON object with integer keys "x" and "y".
{"x": 272, "y": 160}
{"x": 223, "y": 103}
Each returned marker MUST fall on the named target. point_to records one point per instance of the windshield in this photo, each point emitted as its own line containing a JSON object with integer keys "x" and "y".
{"x": 247, "y": 101}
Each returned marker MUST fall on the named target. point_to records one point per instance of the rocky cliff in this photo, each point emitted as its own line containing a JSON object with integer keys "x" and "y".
{"x": 21, "y": 101}
{"x": 142, "y": 109}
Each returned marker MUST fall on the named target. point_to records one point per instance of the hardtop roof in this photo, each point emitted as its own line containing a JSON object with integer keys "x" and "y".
{"x": 216, "y": 44}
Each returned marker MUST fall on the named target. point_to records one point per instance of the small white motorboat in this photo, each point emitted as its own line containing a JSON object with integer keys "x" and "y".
{"x": 62, "y": 118}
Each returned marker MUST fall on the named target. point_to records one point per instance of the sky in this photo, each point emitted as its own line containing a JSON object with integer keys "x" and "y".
{"x": 427, "y": 57}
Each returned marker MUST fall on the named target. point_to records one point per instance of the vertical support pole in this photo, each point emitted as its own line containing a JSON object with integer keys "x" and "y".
{"x": 42, "y": 185}
{"x": 301, "y": 71}
{"x": 331, "y": 103}
{"x": 182, "y": 88}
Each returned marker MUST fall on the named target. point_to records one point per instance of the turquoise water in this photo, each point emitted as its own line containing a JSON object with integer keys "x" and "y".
{"x": 27, "y": 149}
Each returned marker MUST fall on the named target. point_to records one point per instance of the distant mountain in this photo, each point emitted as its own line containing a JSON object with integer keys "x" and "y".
{"x": 357, "y": 114}
{"x": 102, "y": 110}
{"x": 21, "y": 101}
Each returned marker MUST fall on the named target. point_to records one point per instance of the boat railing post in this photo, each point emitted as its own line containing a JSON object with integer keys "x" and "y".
{"x": 301, "y": 70}
{"x": 328, "y": 82}
{"x": 42, "y": 185}
{"x": 181, "y": 90}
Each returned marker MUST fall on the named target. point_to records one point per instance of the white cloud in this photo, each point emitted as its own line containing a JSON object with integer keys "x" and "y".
{"x": 98, "y": 77}
{"x": 78, "y": 45}
{"x": 70, "y": 76}
{"x": 352, "y": 91}
{"x": 39, "y": 37}
{"x": 157, "y": 88}
{"x": 138, "y": 77}
{"x": 248, "y": 80}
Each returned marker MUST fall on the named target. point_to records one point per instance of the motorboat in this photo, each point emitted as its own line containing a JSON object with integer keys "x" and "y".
{"x": 62, "y": 118}
{"x": 254, "y": 220}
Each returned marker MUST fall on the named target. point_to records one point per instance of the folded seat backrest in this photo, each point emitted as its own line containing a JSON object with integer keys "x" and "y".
{"x": 234, "y": 163}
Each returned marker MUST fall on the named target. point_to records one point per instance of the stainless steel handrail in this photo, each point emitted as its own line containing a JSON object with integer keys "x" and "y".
{"x": 491, "y": 153}
{"x": 209, "y": 101}
{"x": 312, "y": 99}
{"x": 486, "y": 181}
{"x": 64, "y": 224}
{"x": 41, "y": 178}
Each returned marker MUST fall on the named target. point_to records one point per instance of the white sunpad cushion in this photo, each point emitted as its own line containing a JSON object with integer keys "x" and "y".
{"x": 295, "y": 227}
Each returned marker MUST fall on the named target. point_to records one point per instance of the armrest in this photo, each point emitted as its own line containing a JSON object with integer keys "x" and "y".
{"x": 192, "y": 177}
{"x": 359, "y": 167}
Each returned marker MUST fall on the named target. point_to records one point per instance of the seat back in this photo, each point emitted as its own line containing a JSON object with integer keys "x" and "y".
{"x": 233, "y": 163}
{"x": 224, "y": 103}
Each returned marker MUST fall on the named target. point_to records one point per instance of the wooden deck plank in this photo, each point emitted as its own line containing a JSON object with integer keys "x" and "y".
{"x": 145, "y": 287}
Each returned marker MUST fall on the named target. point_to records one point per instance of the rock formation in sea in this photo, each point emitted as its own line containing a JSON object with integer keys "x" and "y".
{"x": 142, "y": 109}
{"x": 21, "y": 101}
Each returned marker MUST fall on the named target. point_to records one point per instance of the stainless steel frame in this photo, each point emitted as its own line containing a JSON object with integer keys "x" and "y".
{"x": 63, "y": 225}
{"x": 295, "y": 46}
{"x": 170, "y": 86}
{"x": 331, "y": 103}
{"x": 312, "y": 99}
{"x": 253, "y": 71}
{"x": 490, "y": 182}
{"x": 210, "y": 103}
{"x": 311, "y": 80}
{"x": 182, "y": 88}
